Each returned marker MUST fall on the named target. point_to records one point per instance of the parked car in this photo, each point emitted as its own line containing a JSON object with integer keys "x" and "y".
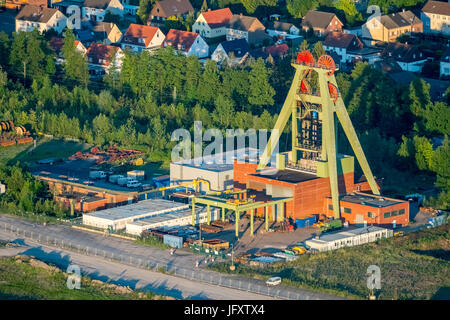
{"x": 274, "y": 281}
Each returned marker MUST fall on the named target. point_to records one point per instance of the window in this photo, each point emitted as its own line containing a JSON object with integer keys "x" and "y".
{"x": 387, "y": 214}
{"x": 330, "y": 207}
{"x": 347, "y": 210}
{"x": 371, "y": 215}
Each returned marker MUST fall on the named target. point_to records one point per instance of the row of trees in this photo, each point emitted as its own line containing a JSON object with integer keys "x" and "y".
{"x": 26, "y": 194}
{"x": 156, "y": 94}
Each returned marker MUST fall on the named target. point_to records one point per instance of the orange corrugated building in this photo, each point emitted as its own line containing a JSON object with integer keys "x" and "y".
{"x": 18, "y": 4}
{"x": 312, "y": 196}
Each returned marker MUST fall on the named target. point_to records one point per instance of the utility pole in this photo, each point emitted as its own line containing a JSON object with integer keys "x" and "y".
{"x": 24, "y": 72}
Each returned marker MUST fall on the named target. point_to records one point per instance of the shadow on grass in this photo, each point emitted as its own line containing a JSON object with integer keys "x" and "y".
{"x": 442, "y": 294}
{"x": 439, "y": 254}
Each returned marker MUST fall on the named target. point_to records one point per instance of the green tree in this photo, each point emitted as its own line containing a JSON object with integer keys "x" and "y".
{"x": 424, "y": 152}
{"x": 318, "y": 50}
{"x": 351, "y": 14}
{"x": 440, "y": 164}
{"x": 143, "y": 11}
{"x": 75, "y": 65}
{"x": 223, "y": 114}
{"x": 261, "y": 92}
{"x": 299, "y": 8}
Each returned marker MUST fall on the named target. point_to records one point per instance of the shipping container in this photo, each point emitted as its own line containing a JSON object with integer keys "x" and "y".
{"x": 302, "y": 223}
{"x": 136, "y": 174}
{"x": 113, "y": 178}
{"x": 173, "y": 241}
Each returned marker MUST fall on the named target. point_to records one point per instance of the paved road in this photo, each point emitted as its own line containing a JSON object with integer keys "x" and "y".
{"x": 127, "y": 252}
{"x": 136, "y": 278}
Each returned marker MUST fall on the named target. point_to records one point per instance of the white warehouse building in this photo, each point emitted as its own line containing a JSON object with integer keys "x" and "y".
{"x": 348, "y": 238}
{"x": 170, "y": 220}
{"x": 118, "y": 217}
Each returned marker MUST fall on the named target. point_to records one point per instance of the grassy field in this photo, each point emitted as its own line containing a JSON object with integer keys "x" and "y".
{"x": 21, "y": 280}
{"x": 45, "y": 148}
{"x": 415, "y": 266}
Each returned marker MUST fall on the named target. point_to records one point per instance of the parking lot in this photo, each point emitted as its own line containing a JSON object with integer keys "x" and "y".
{"x": 261, "y": 241}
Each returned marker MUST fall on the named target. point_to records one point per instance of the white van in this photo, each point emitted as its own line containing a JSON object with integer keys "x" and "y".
{"x": 274, "y": 281}
{"x": 133, "y": 184}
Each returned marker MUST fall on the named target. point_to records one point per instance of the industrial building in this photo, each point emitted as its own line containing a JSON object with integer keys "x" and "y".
{"x": 169, "y": 220}
{"x": 117, "y": 218}
{"x": 361, "y": 208}
{"x": 348, "y": 238}
{"x": 216, "y": 169}
{"x": 310, "y": 179}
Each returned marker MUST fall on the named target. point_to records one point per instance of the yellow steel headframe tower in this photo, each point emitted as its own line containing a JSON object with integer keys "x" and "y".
{"x": 314, "y": 125}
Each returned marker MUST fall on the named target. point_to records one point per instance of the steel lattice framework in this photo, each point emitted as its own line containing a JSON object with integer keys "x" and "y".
{"x": 314, "y": 116}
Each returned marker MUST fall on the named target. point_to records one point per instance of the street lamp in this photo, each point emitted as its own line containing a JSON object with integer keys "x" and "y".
{"x": 232, "y": 267}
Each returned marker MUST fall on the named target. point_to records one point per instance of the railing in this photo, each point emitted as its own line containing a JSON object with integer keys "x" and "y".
{"x": 210, "y": 277}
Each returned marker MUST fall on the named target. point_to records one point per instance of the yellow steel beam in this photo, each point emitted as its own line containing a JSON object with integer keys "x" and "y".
{"x": 352, "y": 137}
{"x": 329, "y": 138}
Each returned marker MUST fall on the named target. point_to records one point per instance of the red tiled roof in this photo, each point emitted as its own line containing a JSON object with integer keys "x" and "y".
{"x": 278, "y": 50}
{"x": 180, "y": 40}
{"x": 57, "y": 44}
{"x": 217, "y": 18}
{"x": 98, "y": 51}
{"x": 137, "y": 31}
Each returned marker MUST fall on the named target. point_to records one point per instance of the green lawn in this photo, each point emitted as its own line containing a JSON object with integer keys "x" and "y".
{"x": 45, "y": 148}
{"x": 23, "y": 281}
{"x": 415, "y": 266}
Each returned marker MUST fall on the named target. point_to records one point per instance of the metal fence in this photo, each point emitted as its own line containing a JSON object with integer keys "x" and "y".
{"x": 196, "y": 274}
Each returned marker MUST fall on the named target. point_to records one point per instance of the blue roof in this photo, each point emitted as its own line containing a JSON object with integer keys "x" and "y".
{"x": 239, "y": 47}
{"x": 84, "y": 35}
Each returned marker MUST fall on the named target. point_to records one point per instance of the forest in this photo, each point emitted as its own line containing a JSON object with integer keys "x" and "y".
{"x": 403, "y": 132}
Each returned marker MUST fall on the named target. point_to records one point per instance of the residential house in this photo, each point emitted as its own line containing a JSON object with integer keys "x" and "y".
{"x": 95, "y": 10}
{"x": 40, "y": 18}
{"x": 445, "y": 64}
{"x": 98, "y": 31}
{"x": 139, "y": 38}
{"x": 232, "y": 52}
{"x": 276, "y": 52}
{"x": 281, "y": 29}
{"x": 105, "y": 32}
{"x": 102, "y": 57}
{"x": 408, "y": 57}
{"x": 248, "y": 28}
{"x": 18, "y": 4}
{"x": 56, "y": 44}
{"x": 212, "y": 23}
{"x": 190, "y": 43}
{"x": 168, "y": 9}
{"x": 389, "y": 27}
{"x": 349, "y": 48}
{"x": 130, "y": 7}
{"x": 435, "y": 16}
{"x": 321, "y": 22}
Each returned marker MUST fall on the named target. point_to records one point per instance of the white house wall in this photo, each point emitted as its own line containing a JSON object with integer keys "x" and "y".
{"x": 199, "y": 48}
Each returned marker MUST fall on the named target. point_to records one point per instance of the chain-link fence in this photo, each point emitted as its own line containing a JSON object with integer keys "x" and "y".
{"x": 196, "y": 274}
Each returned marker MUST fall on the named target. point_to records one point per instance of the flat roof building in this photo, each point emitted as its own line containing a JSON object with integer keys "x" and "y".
{"x": 217, "y": 168}
{"x": 118, "y": 217}
{"x": 361, "y": 208}
{"x": 170, "y": 220}
{"x": 348, "y": 238}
